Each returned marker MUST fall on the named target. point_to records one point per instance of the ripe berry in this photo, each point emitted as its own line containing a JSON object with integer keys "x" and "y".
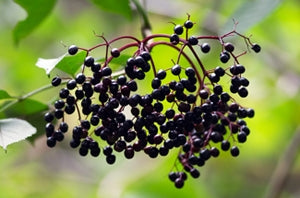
{"x": 193, "y": 40}
{"x": 195, "y": 173}
{"x": 176, "y": 69}
{"x": 80, "y": 78}
{"x": 48, "y": 117}
{"x": 89, "y": 61}
{"x": 106, "y": 71}
{"x": 161, "y": 74}
{"x": 225, "y": 145}
{"x": 234, "y": 151}
{"x": 156, "y": 83}
{"x": 51, "y": 142}
{"x": 73, "y": 49}
{"x": 242, "y": 137}
{"x": 145, "y": 55}
{"x": 219, "y": 71}
{"x": 229, "y": 47}
{"x": 256, "y": 48}
{"x": 71, "y": 84}
{"x": 188, "y": 24}
{"x": 179, "y": 182}
{"x": 243, "y": 92}
{"x": 224, "y": 57}
{"x": 56, "y": 81}
{"x": 110, "y": 159}
{"x": 174, "y": 39}
{"x": 178, "y": 29}
{"x": 115, "y": 52}
{"x": 64, "y": 93}
{"x": 190, "y": 72}
{"x": 205, "y": 47}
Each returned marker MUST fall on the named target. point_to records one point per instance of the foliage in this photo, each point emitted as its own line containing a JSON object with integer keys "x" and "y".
{"x": 275, "y": 87}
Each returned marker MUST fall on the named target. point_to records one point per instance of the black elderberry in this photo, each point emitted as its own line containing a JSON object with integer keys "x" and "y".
{"x": 190, "y": 72}
{"x": 213, "y": 77}
{"x": 174, "y": 39}
{"x": 194, "y": 173}
{"x": 205, "y": 154}
{"x": 240, "y": 68}
{"x": 96, "y": 67}
{"x": 156, "y": 83}
{"x": 89, "y": 61}
{"x": 163, "y": 151}
{"x": 95, "y": 152}
{"x": 250, "y": 113}
{"x": 203, "y": 94}
{"x": 229, "y": 47}
{"x": 49, "y": 128}
{"x": 219, "y": 71}
{"x": 106, "y": 71}
{"x": 63, "y": 127}
{"x": 56, "y": 81}
{"x": 132, "y": 85}
{"x": 225, "y": 145}
{"x": 48, "y": 117}
{"x": 107, "y": 150}
{"x": 244, "y": 81}
{"x": 58, "y": 135}
{"x": 153, "y": 152}
{"x": 83, "y": 151}
{"x": 71, "y": 84}
{"x": 79, "y": 94}
{"x": 242, "y": 137}
{"x": 224, "y": 57}
{"x": 233, "y": 70}
{"x": 193, "y": 40}
{"x": 115, "y": 52}
{"x": 205, "y": 47}
{"x": 73, "y": 49}
{"x": 234, "y": 151}
{"x": 129, "y": 152}
{"x": 145, "y": 55}
{"x": 173, "y": 176}
{"x": 69, "y": 109}
{"x": 58, "y": 113}
{"x": 218, "y": 89}
{"x": 94, "y": 120}
{"x": 70, "y": 100}
{"x": 188, "y": 24}
{"x": 80, "y": 78}
{"x": 256, "y": 48}
{"x": 243, "y": 92}
{"x": 176, "y": 69}
{"x": 179, "y": 182}
{"x": 74, "y": 143}
{"x": 161, "y": 74}
{"x": 214, "y": 152}
{"x": 51, "y": 142}
{"x": 178, "y": 29}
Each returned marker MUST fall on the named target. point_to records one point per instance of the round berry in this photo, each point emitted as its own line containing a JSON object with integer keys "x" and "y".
{"x": 80, "y": 78}
{"x": 219, "y": 71}
{"x": 56, "y": 81}
{"x": 178, "y": 29}
{"x": 73, "y": 49}
{"x": 243, "y": 92}
{"x": 51, "y": 142}
{"x": 71, "y": 84}
{"x": 174, "y": 39}
{"x": 205, "y": 47}
{"x": 224, "y": 57}
{"x": 106, "y": 71}
{"x": 193, "y": 40}
{"x": 89, "y": 61}
{"x": 234, "y": 151}
{"x": 188, "y": 24}
{"x": 115, "y": 52}
{"x": 179, "y": 182}
{"x": 145, "y": 55}
{"x": 110, "y": 159}
{"x": 195, "y": 173}
{"x": 229, "y": 47}
{"x": 176, "y": 69}
{"x": 256, "y": 48}
{"x": 225, "y": 145}
{"x": 48, "y": 117}
{"x": 161, "y": 74}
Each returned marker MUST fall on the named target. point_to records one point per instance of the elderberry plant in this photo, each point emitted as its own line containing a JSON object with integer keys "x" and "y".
{"x": 188, "y": 109}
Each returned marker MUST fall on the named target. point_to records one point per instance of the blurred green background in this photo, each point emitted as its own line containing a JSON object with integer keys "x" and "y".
{"x": 33, "y": 170}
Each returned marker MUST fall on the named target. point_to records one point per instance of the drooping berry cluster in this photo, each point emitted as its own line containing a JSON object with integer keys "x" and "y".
{"x": 185, "y": 107}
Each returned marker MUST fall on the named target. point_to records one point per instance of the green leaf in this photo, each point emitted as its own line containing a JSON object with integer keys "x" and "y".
{"x": 250, "y": 13}
{"x": 65, "y": 63}
{"x": 13, "y": 130}
{"x": 37, "y": 11}
{"x": 25, "y": 107}
{"x": 117, "y": 6}
{"x": 4, "y": 95}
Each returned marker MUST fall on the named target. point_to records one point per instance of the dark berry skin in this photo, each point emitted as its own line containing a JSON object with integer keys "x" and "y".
{"x": 56, "y": 81}
{"x": 229, "y": 47}
{"x": 178, "y": 29}
{"x": 176, "y": 69}
{"x": 51, "y": 142}
{"x": 193, "y": 40}
{"x": 115, "y": 52}
{"x": 256, "y": 48}
{"x": 89, "y": 61}
{"x": 188, "y": 24}
{"x": 73, "y": 49}
{"x": 234, "y": 151}
{"x": 205, "y": 47}
{"x": 224, "y": 57}
{"x": 71, "y": 84}
{"x": 80, "y": 78}
{"x": 174, "y": 39}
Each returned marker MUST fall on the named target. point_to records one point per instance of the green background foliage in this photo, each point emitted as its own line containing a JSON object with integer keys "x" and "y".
{"x": 33, "y": 170}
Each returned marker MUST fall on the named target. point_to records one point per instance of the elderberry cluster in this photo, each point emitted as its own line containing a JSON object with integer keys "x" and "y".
{"x": 184, "y": 107}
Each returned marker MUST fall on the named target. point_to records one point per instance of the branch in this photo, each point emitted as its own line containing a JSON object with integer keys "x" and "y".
{"x": 146, "y": 26}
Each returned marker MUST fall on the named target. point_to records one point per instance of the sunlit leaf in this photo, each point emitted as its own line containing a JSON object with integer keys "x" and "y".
{"x": 13, "y": 130}
{"x": 4, "y": 95}
{"x": 26, "y": 107}
{"x": 117, "y": 6}
{"x": 65, "y": 63}
{"x": 37, "y": 11}
{"x": 250, "y": 13}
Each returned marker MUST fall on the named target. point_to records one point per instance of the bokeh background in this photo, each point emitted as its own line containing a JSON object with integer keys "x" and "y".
{"x": 33, "y": 170}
